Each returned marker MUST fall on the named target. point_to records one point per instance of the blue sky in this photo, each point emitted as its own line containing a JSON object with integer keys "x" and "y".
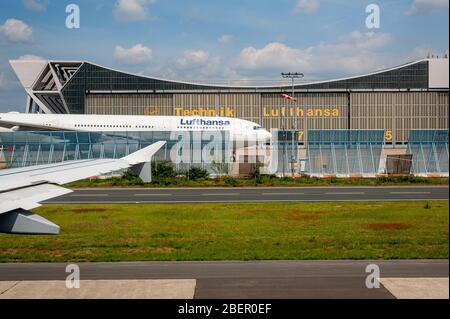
{"x": 235, "y": 40}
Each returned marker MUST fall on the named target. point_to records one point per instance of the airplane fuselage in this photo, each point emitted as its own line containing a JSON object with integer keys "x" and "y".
{"x": 238, "y": 129}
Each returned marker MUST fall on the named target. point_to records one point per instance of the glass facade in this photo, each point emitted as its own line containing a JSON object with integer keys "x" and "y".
{"x": 414, "y": 76}
{"x": 328, "y": 152}
{"x": 20, "y": 149}
{"x": 97, "y": 78}
{"x": 430, "y": 152}
{"x": 344, "y": 152}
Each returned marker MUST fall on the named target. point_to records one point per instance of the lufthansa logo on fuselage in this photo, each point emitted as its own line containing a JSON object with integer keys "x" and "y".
{"x": 204, "y": 122}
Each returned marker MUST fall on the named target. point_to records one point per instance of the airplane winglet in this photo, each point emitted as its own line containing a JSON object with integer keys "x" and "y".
{"x": 143, "y": 155}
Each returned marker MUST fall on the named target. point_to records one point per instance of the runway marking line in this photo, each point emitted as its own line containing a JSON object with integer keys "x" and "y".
{"x": 411, "y": 193}
{"x": 88, "y": 195}
{"x": 344, "y": 193}
{"x": 152, "y": 194}
{"x": 218, "y": 194}
{"x": 282, "y": 194}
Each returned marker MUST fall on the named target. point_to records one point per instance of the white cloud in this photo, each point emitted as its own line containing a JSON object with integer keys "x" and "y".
{"x": 225, "y": 39}
{"x": 28, "y": 57}
{"x": 273, "y": 56}
{"x": 307, "y": 6}
{"x": 364, "y": 41}
{"x": 353, "y": 53}
{"x": 427, "y": 6}
{"x": 35, "y": 5}
{"x": 192, "y": 59}
{"x": 16, "y": 31}
{"x": 132, "y": 10}
{"x": 213, "y": 68}
{"x": 193, "y": 65}
{"x": 136, "y": 55}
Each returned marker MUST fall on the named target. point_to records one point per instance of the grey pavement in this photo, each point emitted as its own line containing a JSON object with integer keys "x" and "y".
{"x": 247, "y": 279}
{"x": 255, "y": 194}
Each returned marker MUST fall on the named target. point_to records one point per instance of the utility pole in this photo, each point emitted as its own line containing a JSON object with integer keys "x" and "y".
{"x": 293, "y": 76}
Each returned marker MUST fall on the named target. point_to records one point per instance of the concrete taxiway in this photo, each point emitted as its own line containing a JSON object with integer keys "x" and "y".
{"x": 250, "y": 279}
{"x": 253, "y": 194}
{"x": 99, "y": 289}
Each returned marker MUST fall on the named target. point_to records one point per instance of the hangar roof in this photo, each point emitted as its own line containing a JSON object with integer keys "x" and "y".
{"x": 60, "y": 86}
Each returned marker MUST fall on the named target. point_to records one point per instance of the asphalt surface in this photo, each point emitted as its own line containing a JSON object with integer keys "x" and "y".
{"x": 258, "y": 194}
{"x": 252, "y": 279}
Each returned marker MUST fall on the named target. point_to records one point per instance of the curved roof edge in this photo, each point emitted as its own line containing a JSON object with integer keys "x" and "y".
{"x": 445, "y": 60}
{"x": 262, "y": 86}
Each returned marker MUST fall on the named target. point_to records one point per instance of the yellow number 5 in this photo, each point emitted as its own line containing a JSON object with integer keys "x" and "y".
{"x": 388, "y": 135}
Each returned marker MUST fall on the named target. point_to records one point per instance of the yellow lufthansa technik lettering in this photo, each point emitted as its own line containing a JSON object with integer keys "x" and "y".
{"x": 266, "y": 111}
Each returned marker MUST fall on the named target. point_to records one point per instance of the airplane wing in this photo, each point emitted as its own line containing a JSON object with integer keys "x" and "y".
{"x": 22, "y": 189}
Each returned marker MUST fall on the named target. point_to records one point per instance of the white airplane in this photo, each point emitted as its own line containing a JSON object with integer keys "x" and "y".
{"x": 240, "y": 130}
{"x": 21, "y": 189}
